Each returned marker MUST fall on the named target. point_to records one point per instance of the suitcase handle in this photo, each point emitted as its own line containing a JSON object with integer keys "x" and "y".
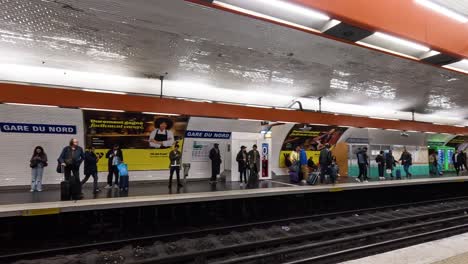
{"x": 62, "y": 169}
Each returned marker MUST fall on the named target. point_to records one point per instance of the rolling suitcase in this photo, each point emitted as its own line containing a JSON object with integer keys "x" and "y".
{"x": 65, "y": 194}
{"x": 398, "y": 173}
{"x": 313, "y": 178}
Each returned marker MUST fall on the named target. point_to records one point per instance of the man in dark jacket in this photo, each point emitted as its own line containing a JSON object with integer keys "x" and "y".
{"x": 363, "y": 162}
{"x": 215, "y": 157}
{"x": 406, "y": 160}
{"x": 457, "y": 160}
{"x": 390, "y": 163}
{"x": 241, "y": 159}
{"x": 90, "y": 168}
{"x": 115, "y": 157}
{"x": 71, "y": 158}
{"x": 254, "y": 165}
{"x": 325, "y": 161}
{"x": 174, "y": 158}
{"x": 380, "y": 160}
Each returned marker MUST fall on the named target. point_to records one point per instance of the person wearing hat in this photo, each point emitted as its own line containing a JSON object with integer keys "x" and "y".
{"x": 254, "y": 164}
{"x": 363, "y": 162}
{"x": 162, "y": 137}
{"x": 215, "y": 157}
{"x": 242, "y": 163}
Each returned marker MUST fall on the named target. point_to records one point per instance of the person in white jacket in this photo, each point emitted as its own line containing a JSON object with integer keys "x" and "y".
{"x": 162, "y": 137}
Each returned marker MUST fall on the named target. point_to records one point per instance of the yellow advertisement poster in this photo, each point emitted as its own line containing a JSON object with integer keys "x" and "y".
{"x": 312, "y": 138}
{"x": 145, "y": 139}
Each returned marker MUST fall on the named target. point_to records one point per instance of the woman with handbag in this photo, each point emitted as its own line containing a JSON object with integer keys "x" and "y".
{"x": 37, "y": 163}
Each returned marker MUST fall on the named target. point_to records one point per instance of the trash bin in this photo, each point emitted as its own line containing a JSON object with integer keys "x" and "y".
{"x": 186, "y": 167}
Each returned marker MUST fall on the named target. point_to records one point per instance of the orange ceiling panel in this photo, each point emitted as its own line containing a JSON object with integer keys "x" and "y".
{"x": 404, "y": 18}
{"x": 26, "y": 94}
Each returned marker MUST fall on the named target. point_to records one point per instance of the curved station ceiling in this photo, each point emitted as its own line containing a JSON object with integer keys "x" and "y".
{"x": 206, "y": 53}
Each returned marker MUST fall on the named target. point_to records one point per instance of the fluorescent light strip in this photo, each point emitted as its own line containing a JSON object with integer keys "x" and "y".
{"x": 153, "y": 113}
{"x": 440, "y": 124}
{"x": 245, "y": 119}
{"x": 391, "y": 129}
{"x": 455, "y": 69}
{"x": 285, "y": 6}
{"x": 428, "y": 132}
{"x": 284, "y": 108}
{"x": 412, "y": 131}
{"x": 373, "y": 128}
{"x": 402, "y": 42}
{"x": 383, "y": 118}
{"x": 386, "y": 50}
{"x": 31, "y": 105}
{"x": 199, "y": 100}
{"x": 229, "y": 103}
{"x": 103, "y": 91}
{"x": 259, "y": 106}
{"x": 260, "y": 15}
{"x": 97, "y": 109}
{"x": 459, "y": 125}
{"x": 316, "y": 124}
{"x": 286, "y": 122}
{"x": 443, "y": 10}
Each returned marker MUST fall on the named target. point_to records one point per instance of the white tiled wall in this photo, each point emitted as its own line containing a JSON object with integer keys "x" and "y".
{"x": 16, "y": 148}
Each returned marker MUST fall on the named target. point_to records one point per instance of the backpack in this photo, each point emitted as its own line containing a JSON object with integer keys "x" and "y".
{"x": 123, "y": 169}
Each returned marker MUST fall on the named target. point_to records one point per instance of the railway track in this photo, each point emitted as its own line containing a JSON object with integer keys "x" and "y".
{"x": 326, "y": 238}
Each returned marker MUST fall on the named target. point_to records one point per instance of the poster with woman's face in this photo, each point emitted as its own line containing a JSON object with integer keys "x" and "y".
{"x": 146, "y": 140}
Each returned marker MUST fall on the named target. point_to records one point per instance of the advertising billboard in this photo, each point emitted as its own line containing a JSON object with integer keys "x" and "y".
{"x": 145, "y": 139}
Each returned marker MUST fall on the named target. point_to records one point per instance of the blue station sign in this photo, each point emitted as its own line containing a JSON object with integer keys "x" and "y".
{"x": 37, "y": 128}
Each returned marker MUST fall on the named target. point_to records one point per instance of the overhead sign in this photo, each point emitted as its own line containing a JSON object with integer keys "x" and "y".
{"x": 207, "y": 134}
{"x": 37, "y": 128}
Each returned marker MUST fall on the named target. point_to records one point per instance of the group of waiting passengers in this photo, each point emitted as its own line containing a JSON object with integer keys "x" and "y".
{"x": 303, "y": 169}
{"x": 71, "y": 158}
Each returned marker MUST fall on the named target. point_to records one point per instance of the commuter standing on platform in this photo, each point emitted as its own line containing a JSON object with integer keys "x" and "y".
{"x": 242, "y": 162}
{"x": 71, "y": 158}
{"x": 457, "y": 160}
{"x": 294, "y": 158}
{"x": 325, "y": 161}
{"x": 434, "y": 164}
{"x": 303, "y": 163}
{"x": 390, "y": 163}
{"x": 37, "y": 164}
{"x": 463, "y": 152}
{"x": 380, "y": 164}
{"x": 115, "y": 157}
{"x": 254, "y": 165}
{"x": 174, "y": 158}
{"x": 406, "y": 161}
{"x": 363, "y": 162}
{"x": 90, "y": 168}
{"x": 215, "y": 157}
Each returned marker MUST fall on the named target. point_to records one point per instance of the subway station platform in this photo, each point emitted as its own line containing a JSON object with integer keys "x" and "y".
{"x": 30, "y": 204}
